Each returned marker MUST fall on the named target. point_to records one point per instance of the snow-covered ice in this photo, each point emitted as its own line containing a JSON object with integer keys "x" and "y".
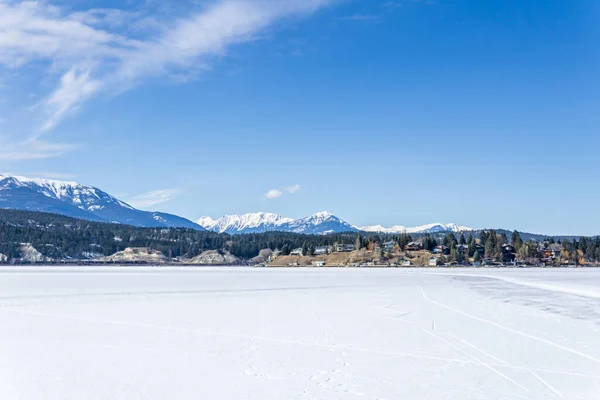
{"x": 241, "y": 333}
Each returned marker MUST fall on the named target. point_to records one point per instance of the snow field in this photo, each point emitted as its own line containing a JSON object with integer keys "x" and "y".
{"x": 240, "y": 333}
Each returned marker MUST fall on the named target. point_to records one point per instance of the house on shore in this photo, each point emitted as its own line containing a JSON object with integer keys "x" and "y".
{"x": 344, "y": 248}
{"x": 509, "y": 253}
{"x": 462, "y": 249}
{"x": 433, "y": 262}
{"x": 553, "y": 251}
{"x": 414, "y": 246}
{"x": 388, "y": 246}
{"x": 441, "y": 249}
{"x": 322, "y": 250}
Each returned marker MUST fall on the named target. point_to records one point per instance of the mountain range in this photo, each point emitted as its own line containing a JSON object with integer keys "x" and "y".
{"x": 87, "y": 202}
{"x": 429, "y": 228}
{"x": 79, "y": 201}
{"x": 317, "y": 224}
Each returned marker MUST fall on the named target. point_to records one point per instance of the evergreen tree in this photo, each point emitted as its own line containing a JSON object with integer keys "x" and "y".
{"x": 304, "y": 249}
{"x": 516, "y": 240}
{"x": 490, "y": 247}
{"x": 429, "y": 243}
{"x": 472, "y": 246}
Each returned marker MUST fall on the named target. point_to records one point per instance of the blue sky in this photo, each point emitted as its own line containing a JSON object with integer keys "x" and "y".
{"x": 483, "y": 113}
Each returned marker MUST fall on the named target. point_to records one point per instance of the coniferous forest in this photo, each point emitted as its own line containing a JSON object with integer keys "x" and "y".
{"x": 60, "y": 237}
{"x": 64, "y": 238}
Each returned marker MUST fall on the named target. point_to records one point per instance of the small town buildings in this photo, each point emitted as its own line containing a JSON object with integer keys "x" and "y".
{"x": 480, "y": 248}
{"x": 441, "y": 249}
{"x": 344, "y": 248}
{"x": 462, "y": 249}
{"x": 321, "y": 250}
{"x": 553, "y": 251}
{"x": 508, "y": 252}
{"x": 388, "y": 246}
{"x": 414, "y": 246}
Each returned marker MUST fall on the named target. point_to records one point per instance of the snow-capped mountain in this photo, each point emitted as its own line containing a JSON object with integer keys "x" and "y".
{"x": 78, "y": 201}
{"x": 319, "y": 223}
{"x": 246, "y": 223}
{"x": 429, "y": 228}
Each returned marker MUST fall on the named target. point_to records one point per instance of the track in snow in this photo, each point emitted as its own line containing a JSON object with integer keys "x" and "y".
{"x": 294, "y": 334}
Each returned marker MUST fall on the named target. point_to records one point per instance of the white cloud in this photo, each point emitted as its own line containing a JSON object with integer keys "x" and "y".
{"x": 32, "y": 149}
{"x": 292, "y": 189}
{"x": 153, "y": 198}
{"x": 273, "y": 194}
{"x": 75, "y": 87}
{"x": 112, "y": 50}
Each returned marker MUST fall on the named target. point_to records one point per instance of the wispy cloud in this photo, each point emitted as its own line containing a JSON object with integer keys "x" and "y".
{"x": 273, "y": 194}
{"x": 74, "y": 88}
{"x": 292, "y": 189}
{"x": 32, "y": 149}
{"x": 276, "y": 193}
{"x": 109, "y": 51}
{"x": 153, "y": 198}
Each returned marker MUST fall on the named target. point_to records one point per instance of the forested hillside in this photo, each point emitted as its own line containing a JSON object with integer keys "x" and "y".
{"x": 61, "y": 237}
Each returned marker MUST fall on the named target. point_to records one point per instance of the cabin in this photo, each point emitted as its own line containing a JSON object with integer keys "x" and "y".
{"x": 433, "y": 262}
{"x": 553, "y": 251}
{"x": 441, "y": 249}
{"x": 462, "y": 249}
{"x": 480, "y": 248}
{"x": 509, "y": 252}
{"x": 388, "y": 246}
{"x": 414, "y": 246}
{"x": 297, "y": 252}
{"x": 344, "y": 248}
{"x": 321, "y": 250}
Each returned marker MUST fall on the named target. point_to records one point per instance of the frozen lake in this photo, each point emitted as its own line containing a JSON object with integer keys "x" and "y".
{"x": 235, "y": 333}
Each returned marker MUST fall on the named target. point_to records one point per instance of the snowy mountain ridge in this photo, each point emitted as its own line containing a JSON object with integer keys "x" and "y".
{"x": 320, "y": 223}
{"x": 79, "y": 201}
{"x": 88, "y": 202}
{"x": 429, "y": 228}
{"x": 245, "y": 223}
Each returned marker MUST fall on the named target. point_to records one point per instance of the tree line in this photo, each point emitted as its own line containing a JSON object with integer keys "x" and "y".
{"x": 61, "y": 237}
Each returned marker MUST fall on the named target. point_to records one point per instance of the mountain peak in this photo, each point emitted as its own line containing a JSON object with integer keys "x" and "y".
{"x": 428, "y": 228}
{"x": 319, "y": 223}
{"x": 38, "y": 181}
{"x": 323, "y": 214}
{"x": 79, "y": 201}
